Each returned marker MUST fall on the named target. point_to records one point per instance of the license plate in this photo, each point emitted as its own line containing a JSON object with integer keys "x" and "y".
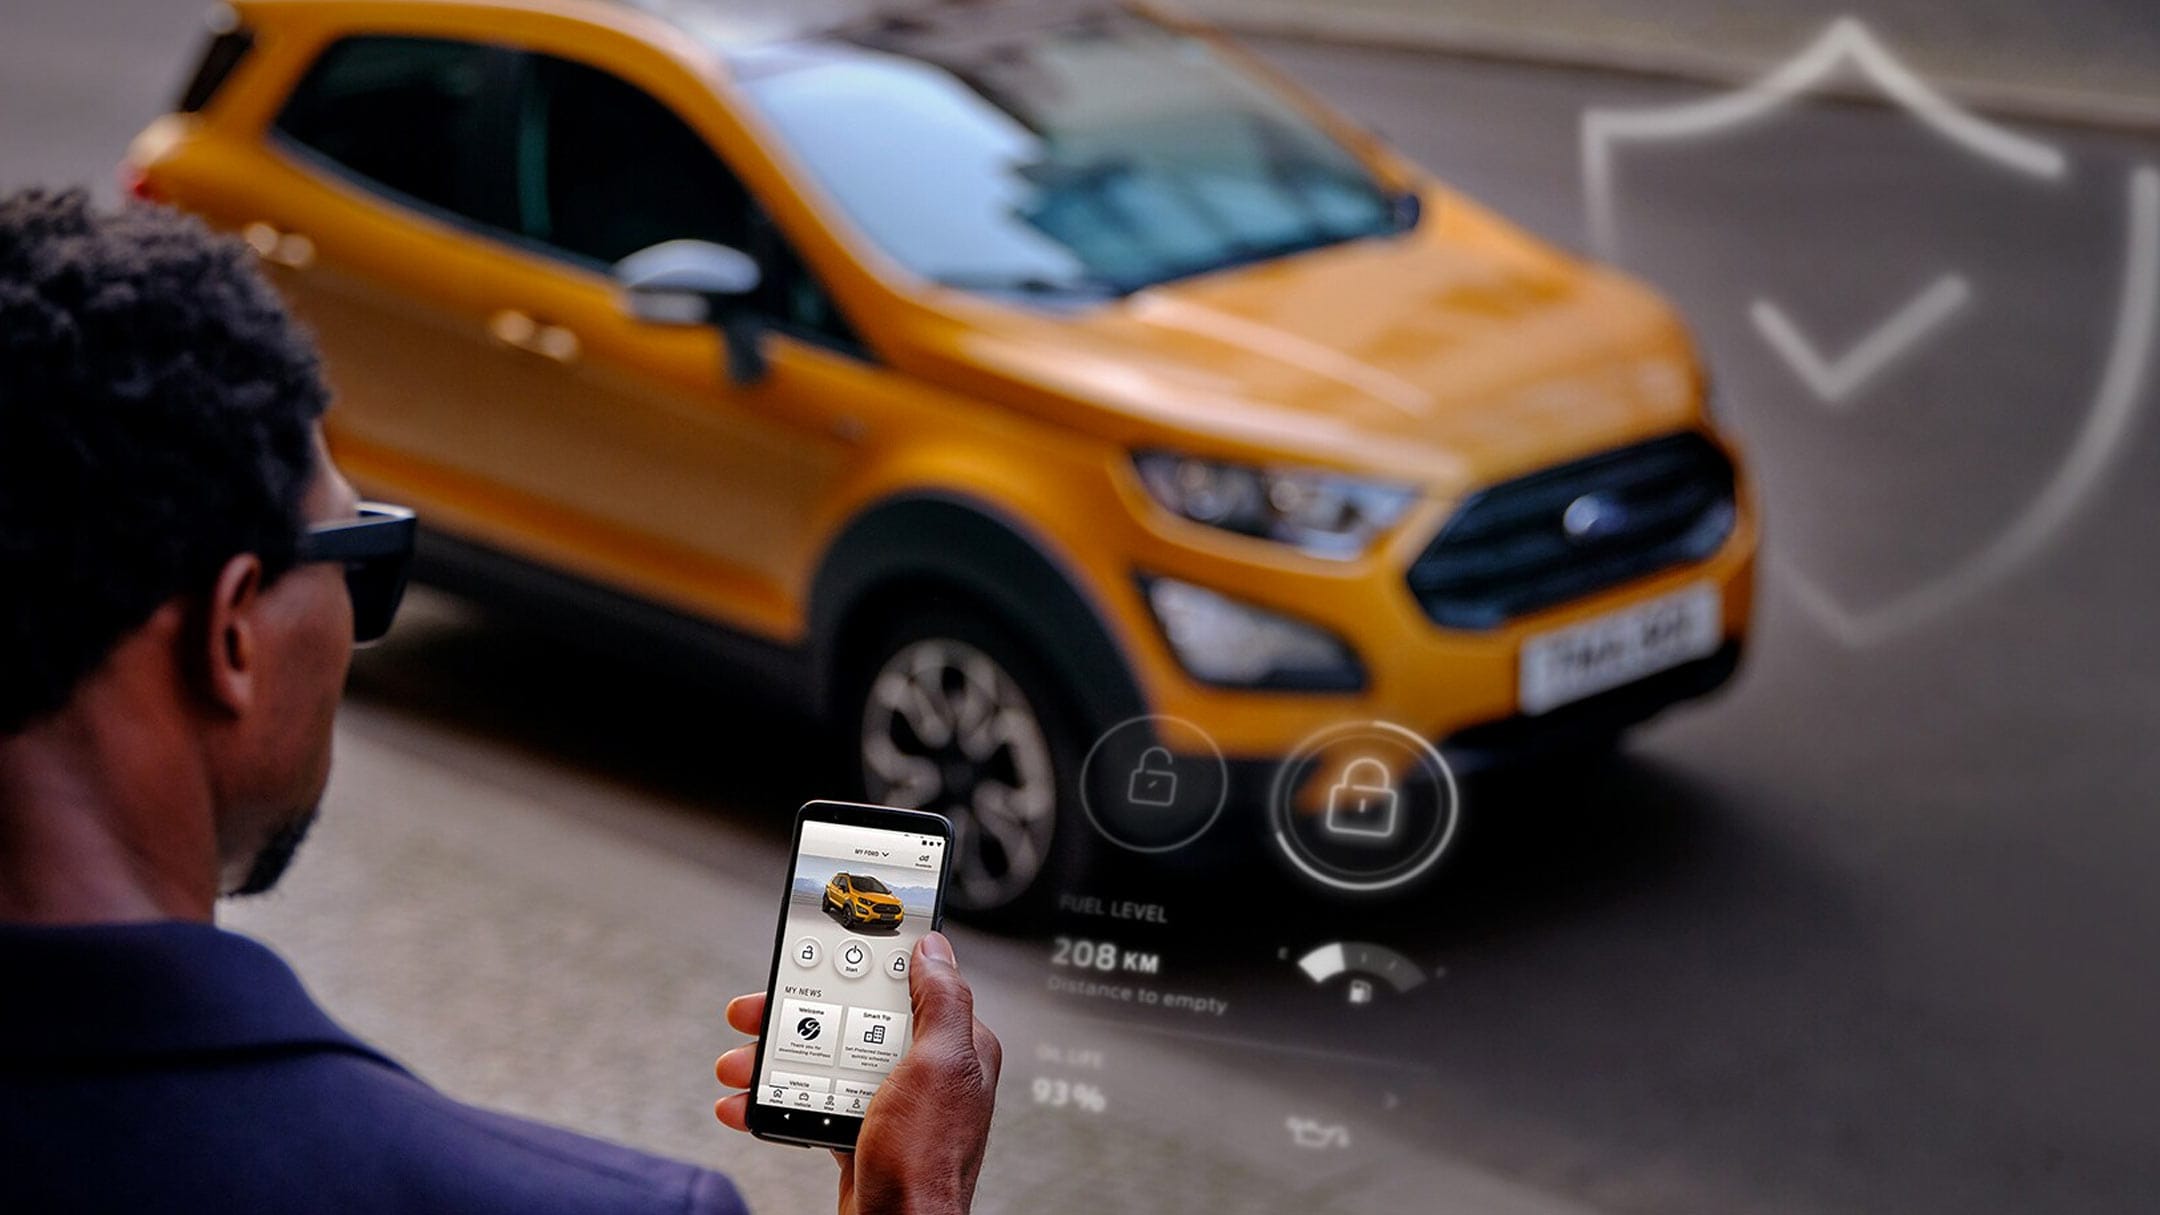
{"x": 1620, "y": 647}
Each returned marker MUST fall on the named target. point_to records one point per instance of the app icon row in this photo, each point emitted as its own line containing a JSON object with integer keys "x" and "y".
{"x": 797, "y": 1091}
{"x": 853, "y": 959}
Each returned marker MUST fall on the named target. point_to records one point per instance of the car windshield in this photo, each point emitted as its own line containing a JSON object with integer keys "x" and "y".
{"x": 1095, "y": 153}
{"x": 870, "y": 885}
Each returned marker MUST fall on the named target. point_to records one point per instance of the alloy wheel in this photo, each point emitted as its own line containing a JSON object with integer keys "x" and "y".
{"x": 946, "y": 728}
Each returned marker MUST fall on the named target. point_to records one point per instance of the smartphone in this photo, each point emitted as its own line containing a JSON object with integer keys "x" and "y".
{"x": 864, "y": 884}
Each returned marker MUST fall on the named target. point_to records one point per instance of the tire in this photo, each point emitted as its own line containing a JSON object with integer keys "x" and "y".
{"x": 947, "y": 711}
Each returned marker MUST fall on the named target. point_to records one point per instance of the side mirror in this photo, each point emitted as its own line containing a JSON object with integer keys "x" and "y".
{"x": 695, "y": 282}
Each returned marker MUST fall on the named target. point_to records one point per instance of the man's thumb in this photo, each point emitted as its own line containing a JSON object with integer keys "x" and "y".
{"x": 944, "y": 1007}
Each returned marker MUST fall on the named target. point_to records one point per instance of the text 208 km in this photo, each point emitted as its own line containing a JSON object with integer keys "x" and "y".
{"x": 1103, "y": 956}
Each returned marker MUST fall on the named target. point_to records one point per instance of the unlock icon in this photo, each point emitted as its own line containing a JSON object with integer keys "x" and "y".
{"x": 1363, "y": 803}
{"x": 1154, "y": 781}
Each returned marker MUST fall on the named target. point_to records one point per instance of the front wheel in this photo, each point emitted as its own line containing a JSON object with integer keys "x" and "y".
{"x": 956, "y": 717}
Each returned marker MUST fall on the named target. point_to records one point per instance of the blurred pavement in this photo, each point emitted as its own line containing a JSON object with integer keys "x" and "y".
{"x": 2075, "y": 60}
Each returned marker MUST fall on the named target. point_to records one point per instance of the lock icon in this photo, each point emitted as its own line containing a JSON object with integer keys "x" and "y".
{"x": 1154, "y": 781}
{"x": 1363, "y": 803}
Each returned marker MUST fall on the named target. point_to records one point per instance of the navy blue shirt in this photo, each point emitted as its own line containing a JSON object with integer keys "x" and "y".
{"x": 176, "y": 1067}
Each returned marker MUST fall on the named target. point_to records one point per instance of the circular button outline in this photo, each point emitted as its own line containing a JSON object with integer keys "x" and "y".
{"x": 1280, "y": 793}
{"x": 859, "y": 969}
{"x": 817, "y": 952}
{"x": 1222, "y": 791}
{"x": 896, "y": 957}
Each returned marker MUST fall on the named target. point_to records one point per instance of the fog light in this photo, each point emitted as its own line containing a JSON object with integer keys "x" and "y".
{"x": 1219, "y": 640}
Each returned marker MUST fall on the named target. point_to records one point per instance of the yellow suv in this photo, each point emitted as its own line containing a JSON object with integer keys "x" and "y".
{"x": 860, "y": 899}
{"x": 983, "y": 374}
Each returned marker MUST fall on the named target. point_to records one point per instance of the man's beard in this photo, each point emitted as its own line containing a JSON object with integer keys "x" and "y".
{"x": 276, "y": 855}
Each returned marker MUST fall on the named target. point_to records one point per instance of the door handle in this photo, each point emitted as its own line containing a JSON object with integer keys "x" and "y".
{"x": 292, "y": 250}
{"x": 520, "y": 331}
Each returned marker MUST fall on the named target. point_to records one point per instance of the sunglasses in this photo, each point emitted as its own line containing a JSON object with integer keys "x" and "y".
{"x": 377, "y": 551}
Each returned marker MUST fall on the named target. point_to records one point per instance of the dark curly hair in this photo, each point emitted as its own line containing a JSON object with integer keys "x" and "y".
{"x": 156, "y": 414}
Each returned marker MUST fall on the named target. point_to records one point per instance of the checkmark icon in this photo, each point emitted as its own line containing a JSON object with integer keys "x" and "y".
{"x": 1836, "y": 380}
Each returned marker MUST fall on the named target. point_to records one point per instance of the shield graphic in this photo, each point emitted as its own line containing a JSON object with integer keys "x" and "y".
{"x": 1896, "y": 401}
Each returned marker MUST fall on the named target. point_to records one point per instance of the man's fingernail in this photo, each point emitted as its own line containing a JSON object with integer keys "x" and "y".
{"x": 936, "y": 948}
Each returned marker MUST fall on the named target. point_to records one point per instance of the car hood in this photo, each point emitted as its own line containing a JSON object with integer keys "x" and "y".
{"x": 1456, "y": 354}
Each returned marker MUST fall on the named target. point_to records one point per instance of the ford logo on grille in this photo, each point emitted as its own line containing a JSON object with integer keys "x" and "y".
{"x": 1594, "y": 517}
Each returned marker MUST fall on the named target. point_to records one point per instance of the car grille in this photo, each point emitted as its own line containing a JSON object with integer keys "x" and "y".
{"x": 1514, "y": 548}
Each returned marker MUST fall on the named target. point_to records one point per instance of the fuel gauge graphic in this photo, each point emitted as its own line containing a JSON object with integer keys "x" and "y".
{"x": 1365, "y": 963}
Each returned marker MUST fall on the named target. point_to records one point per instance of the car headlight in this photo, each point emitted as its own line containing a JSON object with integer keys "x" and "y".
{"x": 1219, "y": 640}
{"x": 1324, "y": 514}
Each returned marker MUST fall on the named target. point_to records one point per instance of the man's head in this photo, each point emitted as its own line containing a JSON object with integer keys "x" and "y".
{"x": 160, "y": 459}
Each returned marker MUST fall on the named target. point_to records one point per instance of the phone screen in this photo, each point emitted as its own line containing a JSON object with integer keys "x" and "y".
{"x": 860, "y": 894}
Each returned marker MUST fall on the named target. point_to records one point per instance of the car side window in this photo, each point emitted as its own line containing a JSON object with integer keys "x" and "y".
{"x": 791, "y": 295}
{"x": 407, "y": 115}
{"x": 604, "y": 169}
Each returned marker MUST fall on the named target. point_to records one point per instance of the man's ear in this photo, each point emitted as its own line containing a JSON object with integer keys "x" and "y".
{"x": 232, "y": 635}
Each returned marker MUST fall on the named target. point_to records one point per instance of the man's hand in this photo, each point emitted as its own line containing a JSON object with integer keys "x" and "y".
{"x": 923, "y": 1138}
